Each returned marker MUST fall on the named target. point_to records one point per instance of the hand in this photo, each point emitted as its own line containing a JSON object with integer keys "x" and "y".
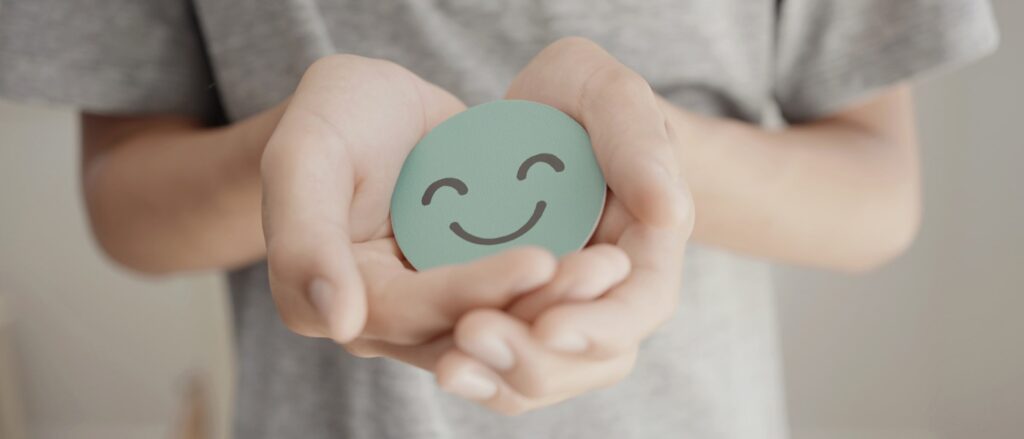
{"x": 583, "y": 329}
{"x": 328, "y": 171}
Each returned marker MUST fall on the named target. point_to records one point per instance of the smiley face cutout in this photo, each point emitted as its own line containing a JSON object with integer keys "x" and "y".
{"x": 498, "y": 175}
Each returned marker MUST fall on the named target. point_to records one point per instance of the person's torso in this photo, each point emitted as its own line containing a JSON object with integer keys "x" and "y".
{"x": 712, "y": 56}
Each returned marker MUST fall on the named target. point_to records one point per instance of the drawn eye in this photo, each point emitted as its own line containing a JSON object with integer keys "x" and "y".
{"x": 544, "y": 157}
{"x": 451, "y": 182}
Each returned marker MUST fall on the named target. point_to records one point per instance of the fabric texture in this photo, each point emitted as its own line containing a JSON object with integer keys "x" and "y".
{"x": 711, "y": 372}
{"x": 105, "y": 56}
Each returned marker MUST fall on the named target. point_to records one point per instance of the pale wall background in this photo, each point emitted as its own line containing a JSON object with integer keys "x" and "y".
{"x": 929, "y": 347}
{"x": 100, "y": 353}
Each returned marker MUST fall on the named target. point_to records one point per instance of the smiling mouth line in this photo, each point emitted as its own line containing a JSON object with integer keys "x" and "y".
{"x": 462, "y": 233}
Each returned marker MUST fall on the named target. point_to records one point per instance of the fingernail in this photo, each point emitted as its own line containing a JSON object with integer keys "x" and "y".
{"x": 491, "y": 350}
{"x": 320, "y": 294}
{"x": 472, "y": 385}
{"x": 569, "y": 342}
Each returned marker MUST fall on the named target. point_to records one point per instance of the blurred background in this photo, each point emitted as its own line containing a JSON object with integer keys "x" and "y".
{"x": 931, "y": 346}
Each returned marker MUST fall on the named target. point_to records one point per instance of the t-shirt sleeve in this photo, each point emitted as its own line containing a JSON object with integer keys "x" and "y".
{"x": 833, "y": 53}
{"x": 105, "y": 56}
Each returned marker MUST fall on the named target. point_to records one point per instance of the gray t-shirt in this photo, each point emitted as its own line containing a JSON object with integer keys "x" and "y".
{"x": 711, "y": 372}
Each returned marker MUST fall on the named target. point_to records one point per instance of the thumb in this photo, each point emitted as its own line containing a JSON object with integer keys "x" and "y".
{"x": 307, "y": 192}
{"x": 623, "y": 118}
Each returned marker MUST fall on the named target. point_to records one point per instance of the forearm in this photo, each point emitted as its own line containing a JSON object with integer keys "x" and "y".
{"x": 177, "y": 196}
{"x": 830, "y": 194}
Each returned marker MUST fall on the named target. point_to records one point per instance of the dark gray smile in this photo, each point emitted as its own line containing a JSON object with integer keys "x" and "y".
{"x": 462, "y": 233}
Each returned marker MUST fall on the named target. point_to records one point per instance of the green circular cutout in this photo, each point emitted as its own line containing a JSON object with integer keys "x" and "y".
{"x": 498, "y": 175}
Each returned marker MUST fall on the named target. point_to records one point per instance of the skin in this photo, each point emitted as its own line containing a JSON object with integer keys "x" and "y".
{"x": 521, "y": 330}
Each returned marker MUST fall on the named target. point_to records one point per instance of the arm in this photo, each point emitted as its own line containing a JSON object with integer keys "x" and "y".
{"x": 840, "y": 193}
{"x": 166, "y": 194}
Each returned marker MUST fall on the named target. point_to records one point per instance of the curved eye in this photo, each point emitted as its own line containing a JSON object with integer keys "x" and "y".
{"x": 451, "y": 182}
{"x": 544, "y": 157}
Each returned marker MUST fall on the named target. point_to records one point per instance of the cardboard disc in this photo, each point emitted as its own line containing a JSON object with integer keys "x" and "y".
{"x": 496, "y": 176}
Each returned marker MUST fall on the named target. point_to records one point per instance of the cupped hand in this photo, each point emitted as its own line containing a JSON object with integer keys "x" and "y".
{"x": 582, "y": 330}
{"x": 328, "y": 172}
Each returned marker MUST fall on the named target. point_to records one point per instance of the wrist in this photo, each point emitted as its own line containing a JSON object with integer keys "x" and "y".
{"x": 248, "y": 138}
{"x": 239, "y": 177}
{"x": 697, "y": 141}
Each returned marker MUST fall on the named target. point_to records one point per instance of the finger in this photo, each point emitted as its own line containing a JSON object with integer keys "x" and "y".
{"x": 461, "y": 375}
{"x": 423, "y": 356}
{"x": 622, "y": 116}
{"x": 622, "y": 318}
{"x": 614, "y": 221}
{"x": 505, "y": 345}
{"x": 419, "y": 305}
{"x": 582, "y": 275}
